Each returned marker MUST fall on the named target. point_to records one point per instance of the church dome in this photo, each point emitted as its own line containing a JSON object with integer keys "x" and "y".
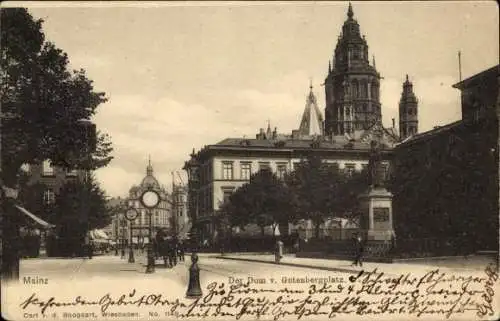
{"x": 150, "y": 181}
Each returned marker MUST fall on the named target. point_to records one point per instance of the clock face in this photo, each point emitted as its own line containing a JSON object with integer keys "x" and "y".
{"x": 131, "y": 214}
{"x": 150, "y": 199}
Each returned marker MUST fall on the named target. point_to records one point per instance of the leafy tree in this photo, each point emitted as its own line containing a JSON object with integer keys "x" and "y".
{"x": 80, "y": 206}
{"x": 42, "y": 104}
{"x": 323, "y": 191}
{"x": 265, "y": 201}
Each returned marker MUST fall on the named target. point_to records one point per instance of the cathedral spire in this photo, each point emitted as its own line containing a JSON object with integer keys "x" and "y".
{"x": 350, "y": 13}
{"x": 373, "y": 61}
{"x": 312, "y": 121}
{"x": 329, "y": 66}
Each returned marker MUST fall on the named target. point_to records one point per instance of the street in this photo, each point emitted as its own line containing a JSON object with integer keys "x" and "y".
{"x": 110, "y": 266}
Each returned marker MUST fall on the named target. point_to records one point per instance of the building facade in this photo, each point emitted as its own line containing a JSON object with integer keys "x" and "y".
{"x": 227, "y": 165}
{"x": 446, "y": 179}
{"x": 160, "y": 216}
{"x": 51, "y": 177}
{"x": 182, "y": 223}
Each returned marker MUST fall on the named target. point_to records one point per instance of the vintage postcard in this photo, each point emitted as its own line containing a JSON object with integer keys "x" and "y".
{"x": 250, "y": 160}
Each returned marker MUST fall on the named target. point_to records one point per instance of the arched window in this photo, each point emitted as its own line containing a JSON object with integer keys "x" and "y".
{"x": 355, "y": 88}
{"x": 374, "y": 90}
{"x": 364, "y": 89}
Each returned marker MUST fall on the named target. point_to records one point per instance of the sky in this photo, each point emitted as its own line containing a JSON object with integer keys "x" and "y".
{"x": 183, "y": 75}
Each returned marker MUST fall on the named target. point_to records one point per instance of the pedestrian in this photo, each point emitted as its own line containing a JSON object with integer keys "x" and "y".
{"x": 180, "y": 252}
{"x": 358, "y": 249}
{"x": 278, "y": 255}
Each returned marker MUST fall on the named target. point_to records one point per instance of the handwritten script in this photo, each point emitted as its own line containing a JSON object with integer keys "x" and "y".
{"x": 367, "y": 293}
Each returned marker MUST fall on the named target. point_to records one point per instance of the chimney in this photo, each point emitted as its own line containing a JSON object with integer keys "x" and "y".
{"x": 393, "y": 123}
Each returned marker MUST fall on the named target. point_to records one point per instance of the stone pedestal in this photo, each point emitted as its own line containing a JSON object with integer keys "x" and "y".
{"x": 376, "y": 220}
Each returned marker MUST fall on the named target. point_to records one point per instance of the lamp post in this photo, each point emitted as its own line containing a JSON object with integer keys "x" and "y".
{"x": 123, "y": 224}
{"x": 131, "y": 215}
{"x": 192, "y": 169}
{"x": 117, "y": 226}
{"x": 150, "y": 200}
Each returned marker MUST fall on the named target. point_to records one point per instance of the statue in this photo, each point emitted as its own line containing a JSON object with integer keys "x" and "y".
{"x": 375, "y": 166}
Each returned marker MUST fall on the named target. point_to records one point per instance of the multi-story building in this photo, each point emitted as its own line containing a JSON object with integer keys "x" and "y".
{"x": 180, "y": 211}
{"x": 160, "y": 216}
{"x": 227, "y": 165}
{"x": 353, "y": 116}
{"x": 446, "y": 179}
{"x": 52, "y": 177}
{"x": 118, "y": 228}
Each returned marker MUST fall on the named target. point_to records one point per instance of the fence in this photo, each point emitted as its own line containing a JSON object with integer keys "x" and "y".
{"x": 326, "y": 233}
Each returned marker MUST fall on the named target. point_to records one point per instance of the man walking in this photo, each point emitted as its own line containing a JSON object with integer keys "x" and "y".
{"x": 358, "y": 248}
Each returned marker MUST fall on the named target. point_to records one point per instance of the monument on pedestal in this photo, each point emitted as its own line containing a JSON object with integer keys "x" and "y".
{"x": 376, "y": 203}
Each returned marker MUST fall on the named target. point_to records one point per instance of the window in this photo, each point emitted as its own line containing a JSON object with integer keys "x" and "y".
{"x": 226, "y": 194}
{"x": 281, "y": 171}
{"x": 350, "y": 168}
{"x": 355, "y": 89}
{"x": 48, "y": 196}
{"x": 246, "y": 171}
{"x": 47, "y": 168}
{"x": 26, "y": 168}
{"x": 264, "y": 165}
{"x": 227, "y": 170}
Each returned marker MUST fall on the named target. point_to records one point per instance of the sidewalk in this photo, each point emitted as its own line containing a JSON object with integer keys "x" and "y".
{"x": 344, "y": 265}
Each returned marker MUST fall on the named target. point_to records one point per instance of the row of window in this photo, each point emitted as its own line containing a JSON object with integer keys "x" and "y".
{"x": 246, "y": 169}
{"x": 49, "y": 170}
{"x": 281, "y": 169}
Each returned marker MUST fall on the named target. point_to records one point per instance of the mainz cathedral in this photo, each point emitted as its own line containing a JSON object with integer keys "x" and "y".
{"x": 352, "y": 88}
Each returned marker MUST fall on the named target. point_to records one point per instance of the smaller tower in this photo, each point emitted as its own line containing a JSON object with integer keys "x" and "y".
{"x": 311, "y": 123}
{"x": 408, "y": 111}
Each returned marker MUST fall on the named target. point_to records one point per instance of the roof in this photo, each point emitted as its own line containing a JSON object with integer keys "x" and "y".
{"x": 359, "y": 140}
{"x": 312, "y": 120}
{"x": 431, "y": 133}
{"x": 478, "y": 78}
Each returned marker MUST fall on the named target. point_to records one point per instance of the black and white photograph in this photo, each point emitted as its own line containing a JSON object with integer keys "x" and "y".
{"x": 248, "y": 160}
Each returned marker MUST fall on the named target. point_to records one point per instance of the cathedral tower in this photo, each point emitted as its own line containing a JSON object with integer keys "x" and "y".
{"x": 352, "y": 86}
{"x": 408, "y": 111}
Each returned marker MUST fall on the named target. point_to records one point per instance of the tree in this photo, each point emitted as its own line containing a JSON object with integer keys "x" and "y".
{"x": 323, "y": 190}
{"x": 80, "y": 206}
{"x": 42, "y": 104}
{"x": 265, "y": 201}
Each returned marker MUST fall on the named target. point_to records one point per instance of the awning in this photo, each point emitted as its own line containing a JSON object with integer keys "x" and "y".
{"x": 98, "y": 234}
{"x": 34, "y": 217}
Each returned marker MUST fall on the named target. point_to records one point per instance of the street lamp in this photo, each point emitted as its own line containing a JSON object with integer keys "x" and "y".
{"x": 150, "y": 200}
{"x": 192, "y": 169}
{"x": 131, "y": 215}
{"x": 117, "y": 226}
{"x": 123, "y": 224}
